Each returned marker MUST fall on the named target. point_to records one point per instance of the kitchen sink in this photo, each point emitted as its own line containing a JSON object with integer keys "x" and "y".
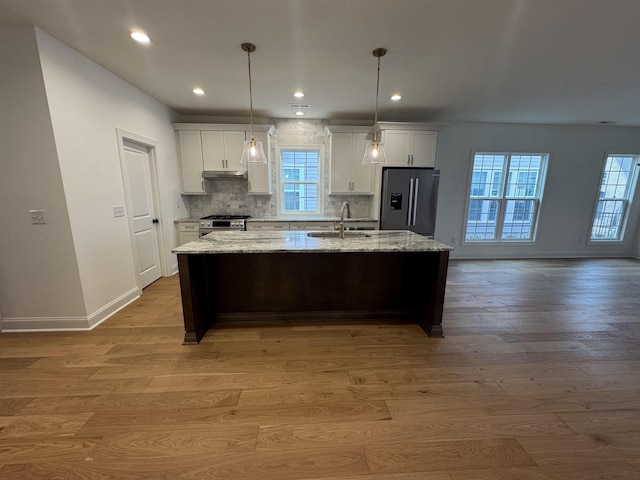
{"x": 336, "y": 234}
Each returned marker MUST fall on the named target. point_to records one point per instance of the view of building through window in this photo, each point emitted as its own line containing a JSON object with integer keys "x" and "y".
{"x": 616, "y": 191}
{"x": 504, "y": 196}
{"x": 300, "y": 178}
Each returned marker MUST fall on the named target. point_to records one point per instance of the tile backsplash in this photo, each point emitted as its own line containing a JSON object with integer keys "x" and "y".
{"x": 230, "y": 195}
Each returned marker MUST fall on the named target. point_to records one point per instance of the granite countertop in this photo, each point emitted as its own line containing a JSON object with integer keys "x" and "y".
{"x": 298, "y": 241}
{"x": 287, "y": 219}
{"x": 308, "y": 219}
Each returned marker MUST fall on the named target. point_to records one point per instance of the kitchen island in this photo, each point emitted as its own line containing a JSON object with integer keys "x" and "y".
{"x": 274, "y": 276}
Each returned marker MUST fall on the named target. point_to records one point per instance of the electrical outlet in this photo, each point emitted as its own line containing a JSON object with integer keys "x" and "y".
{"x": 118, "y": 211}
{"x": 38, "y": 217}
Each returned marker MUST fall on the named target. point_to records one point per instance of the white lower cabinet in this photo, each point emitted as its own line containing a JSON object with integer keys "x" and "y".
{"x": 267, "y": 225}
{"x": 312, "y": 226}
{"x": 188, "y": 232}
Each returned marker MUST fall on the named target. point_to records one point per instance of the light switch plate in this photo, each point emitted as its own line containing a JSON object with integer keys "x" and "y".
{"x": 37, "y": 217}
{"x": 118, "y": 211}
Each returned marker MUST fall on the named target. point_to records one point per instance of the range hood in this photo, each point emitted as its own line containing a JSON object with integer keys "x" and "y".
{"x": 224, "y": 174}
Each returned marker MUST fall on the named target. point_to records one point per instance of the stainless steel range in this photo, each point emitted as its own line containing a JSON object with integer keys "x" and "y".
{"x": 215, "y": 223}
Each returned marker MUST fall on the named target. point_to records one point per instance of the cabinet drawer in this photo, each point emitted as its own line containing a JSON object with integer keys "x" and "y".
{"x": 267, "y": 226}
{"x": 314, "y": 226}
{"x": 188, "y": 226}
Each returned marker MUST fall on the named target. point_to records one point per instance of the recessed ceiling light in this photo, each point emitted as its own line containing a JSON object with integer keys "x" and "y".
{"x": 140, "y": 37}
{"x": 299, "y": 113}
{"x": 198, "y": 91}
{"x": 298, "y": 94}
{"x": 396, "y": 97}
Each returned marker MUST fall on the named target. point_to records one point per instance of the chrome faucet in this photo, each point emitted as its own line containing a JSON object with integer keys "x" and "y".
{"x": 341, "y": 227}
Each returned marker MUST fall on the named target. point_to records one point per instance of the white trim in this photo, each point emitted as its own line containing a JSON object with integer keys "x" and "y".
{"x": 150, "y": 144}
{"x": 57, "y": 324}
{"x": 321, "y": 180}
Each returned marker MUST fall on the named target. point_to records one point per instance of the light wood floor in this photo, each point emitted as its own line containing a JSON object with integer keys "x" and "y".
{"x": 538, "y": 378}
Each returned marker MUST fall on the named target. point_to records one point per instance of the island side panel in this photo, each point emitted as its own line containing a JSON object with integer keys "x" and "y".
{"x": 371, "y": 282}
{"x": 193, "y": 288}
{"x": 430, "y": 290}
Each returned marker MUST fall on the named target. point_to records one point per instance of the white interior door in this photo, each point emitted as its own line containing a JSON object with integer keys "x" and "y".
{"x": 141, "y": 212}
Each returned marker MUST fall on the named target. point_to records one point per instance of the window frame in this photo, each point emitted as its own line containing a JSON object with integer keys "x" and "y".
{"x": 502, "y": 198}
{"x": 627, "y": 200}
{"x": 280, "y": 194}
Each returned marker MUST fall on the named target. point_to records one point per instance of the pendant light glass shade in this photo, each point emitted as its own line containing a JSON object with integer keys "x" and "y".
{"x": 374, "y": 151}
{"x": 252, "y": 151}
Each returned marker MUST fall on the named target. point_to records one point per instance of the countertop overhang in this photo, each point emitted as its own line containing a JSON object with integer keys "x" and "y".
{"x": 299, "y": 241}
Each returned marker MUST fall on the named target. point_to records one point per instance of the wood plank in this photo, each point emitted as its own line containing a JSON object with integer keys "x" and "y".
{"x": 102, "y": 422}
{"x": 264, "y": 465}
{"x": 452, "y": 455}
{"x": 172, "y": 383}
{"x": 333, "y": 394}
{"x": 628, "y": 400}
{"x": 20, "y": 426}
{"x": 40, "y": 450}
{"x": 180, "y": 441}
{"x": 602, "y": 471}
{"x": 133, "y": 402}
{"x": 403, "y": 431}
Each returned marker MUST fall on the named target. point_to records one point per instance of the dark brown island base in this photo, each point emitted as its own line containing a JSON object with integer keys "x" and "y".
{"x": 269, "y": 276}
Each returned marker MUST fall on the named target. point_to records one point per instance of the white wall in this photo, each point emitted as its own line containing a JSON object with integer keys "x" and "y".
{"x": 87, "y": 104}
{"x": 576, "y": 156}
{"x": 60, "y": 112}
{"x": 39, "y": 277}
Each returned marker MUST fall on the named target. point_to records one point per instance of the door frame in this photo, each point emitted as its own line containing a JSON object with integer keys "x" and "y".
{"x": 150, "y": 145}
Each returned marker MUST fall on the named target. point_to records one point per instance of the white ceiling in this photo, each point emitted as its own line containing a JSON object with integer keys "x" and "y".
{"x": 538, "y": 61}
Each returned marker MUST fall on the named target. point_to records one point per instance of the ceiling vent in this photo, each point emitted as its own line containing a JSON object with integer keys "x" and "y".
{"x": 299, "y": 105}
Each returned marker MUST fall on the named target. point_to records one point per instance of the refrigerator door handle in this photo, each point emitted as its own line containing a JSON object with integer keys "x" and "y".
{"x": 415, "y": 201}
{"x": 410, "y": 206}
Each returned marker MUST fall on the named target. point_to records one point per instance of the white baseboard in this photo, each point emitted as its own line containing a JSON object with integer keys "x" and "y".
{"x": 55, "y": 324}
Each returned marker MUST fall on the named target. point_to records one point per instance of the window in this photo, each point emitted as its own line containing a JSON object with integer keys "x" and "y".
{"x": 300, "y": 181}
{"x": 614, "y": 198}
{"x": 504, "y": 196}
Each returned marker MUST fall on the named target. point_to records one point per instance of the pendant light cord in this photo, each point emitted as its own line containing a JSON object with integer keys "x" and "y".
{"x": 250, "y": 95}
{"x": 375, "y": 119}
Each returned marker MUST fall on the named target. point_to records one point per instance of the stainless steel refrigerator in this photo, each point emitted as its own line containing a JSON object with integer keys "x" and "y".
{"x": 409, "y": 199}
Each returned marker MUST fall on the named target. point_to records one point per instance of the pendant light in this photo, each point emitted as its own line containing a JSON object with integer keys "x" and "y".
{"x": 374, "y": 151}
{"x": 253, "y": 151}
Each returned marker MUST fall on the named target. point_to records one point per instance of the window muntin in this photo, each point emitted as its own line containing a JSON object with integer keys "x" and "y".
{"x": 504, "y": 196}
{"x": 300, "y": 178}
{"x": 614, "y": 198}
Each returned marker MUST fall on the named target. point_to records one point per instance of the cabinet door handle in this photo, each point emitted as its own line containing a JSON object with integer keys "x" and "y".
{"x": 415, "y": 200}
{"x": 408, "y": 159}
{"x": 410, "y": 206}
{"x": 202, "y": 185}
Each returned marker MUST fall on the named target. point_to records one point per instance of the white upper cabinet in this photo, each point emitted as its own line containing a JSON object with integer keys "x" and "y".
{"x": 259, "y": 174}
{"x": 348, "y": 175}
{"x": 190, "y": 153}
{"x": 222, "y": 150}
{"x": 407, "y": 145}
